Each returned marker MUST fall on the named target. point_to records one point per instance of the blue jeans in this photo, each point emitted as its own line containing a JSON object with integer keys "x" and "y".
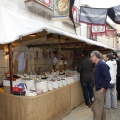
{"x": 87, "y": 91}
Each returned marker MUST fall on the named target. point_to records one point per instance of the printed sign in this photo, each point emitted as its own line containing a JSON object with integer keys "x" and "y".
{"x": 61, "y": 8}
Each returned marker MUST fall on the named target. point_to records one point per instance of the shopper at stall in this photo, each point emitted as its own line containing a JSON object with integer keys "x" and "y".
{"x": 118, "y": 74}
{"x": 55, "y": 59}
{"x": 115, "y": 56}
{"x": 86, "y": 77}
{"x": 118, "y": 78}
{"x": 111, "y": 95}
{"x": 102, "y": 81}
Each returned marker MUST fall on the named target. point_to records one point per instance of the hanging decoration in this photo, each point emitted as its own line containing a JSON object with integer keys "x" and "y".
{"x": 71, "y": 13}
{"x": 64, "y": 10}
{"x": 76, "y": 13}
{"x": 96, "y": 29}
{"x": 117, "y": 13}
{"x": 114, "y": 14}
{"x": 93, "y": 15}
{"x": 111, "y": 33}
{"x": 98, "y": 16}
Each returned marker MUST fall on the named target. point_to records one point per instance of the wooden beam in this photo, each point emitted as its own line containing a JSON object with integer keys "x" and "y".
{"x": 99, "y": 49}
{"x": 55, "y": 44}
{"x": 10, "y": 66}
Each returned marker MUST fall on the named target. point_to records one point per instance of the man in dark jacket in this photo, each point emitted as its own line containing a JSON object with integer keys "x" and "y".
{"x": 86, "y": 75}
{"x": 118, "y": 73}
{"x": 118, "y": 78}
{"x": 102, "y": 81}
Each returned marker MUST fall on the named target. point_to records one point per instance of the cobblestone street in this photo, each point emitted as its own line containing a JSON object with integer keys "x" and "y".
{"x": 82, "y": 113}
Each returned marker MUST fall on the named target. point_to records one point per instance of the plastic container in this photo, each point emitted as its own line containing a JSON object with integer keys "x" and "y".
{"x": 42, "y": 86}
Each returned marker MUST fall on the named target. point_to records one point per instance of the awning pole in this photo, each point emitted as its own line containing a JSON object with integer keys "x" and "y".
{"x": 59, "y": 47}
{"x": 10, "y": 66}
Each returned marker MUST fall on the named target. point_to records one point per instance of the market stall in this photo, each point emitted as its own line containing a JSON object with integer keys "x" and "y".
{"x": 37, "y": 91}
{"x": 52, "y": 105}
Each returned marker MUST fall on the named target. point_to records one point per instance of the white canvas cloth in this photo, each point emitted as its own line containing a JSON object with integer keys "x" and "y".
{"x": 13, "y": 26}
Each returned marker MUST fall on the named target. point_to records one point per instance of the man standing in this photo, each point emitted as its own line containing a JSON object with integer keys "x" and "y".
{"x": 102, "y": 81}
{"x": 118, "y": 78}
{"x": 86, "y": 75}
{"x": 118, "y": 74}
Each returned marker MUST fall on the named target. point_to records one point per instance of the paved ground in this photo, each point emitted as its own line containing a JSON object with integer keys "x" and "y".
{"x": 82, "y": 113}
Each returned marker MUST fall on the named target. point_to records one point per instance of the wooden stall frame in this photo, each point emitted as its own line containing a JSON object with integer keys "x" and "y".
{"x": 10, "y": 66}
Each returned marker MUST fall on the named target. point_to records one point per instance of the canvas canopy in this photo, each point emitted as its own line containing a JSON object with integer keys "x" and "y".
{"x": 13, "y": 26}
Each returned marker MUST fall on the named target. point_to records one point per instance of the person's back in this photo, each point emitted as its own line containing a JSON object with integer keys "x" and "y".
{"x": 86, "y": 75}
{"x": 113, "y": 70}
{"x": 101, "y": 74}
{"x": 118, "y": 77}
{"x": 118, "y": 67}
{"x": 111, "y": 96}
{"x": 102, "y": 81}
{"x": 86, "y": 69}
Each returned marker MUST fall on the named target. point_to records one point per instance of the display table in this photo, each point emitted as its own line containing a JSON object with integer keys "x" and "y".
{"x": 53, "y": 105}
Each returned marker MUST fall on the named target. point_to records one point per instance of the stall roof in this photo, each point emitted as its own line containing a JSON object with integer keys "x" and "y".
{"x": 14, "y": 26}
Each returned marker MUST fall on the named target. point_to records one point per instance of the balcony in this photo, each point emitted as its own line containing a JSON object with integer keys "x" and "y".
{"x": 42, "y": 7}
{"x": 53, "y": 9}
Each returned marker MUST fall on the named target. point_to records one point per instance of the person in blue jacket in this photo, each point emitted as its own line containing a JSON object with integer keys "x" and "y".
{"x": 102, "y": 80}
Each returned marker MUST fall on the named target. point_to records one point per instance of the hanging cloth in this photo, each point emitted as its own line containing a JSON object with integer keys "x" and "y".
{"x": 21, "y": 62}
{"x": 95, "y": 16}
{"x": 71, "y": 13}
{"x": 114, "y": 14}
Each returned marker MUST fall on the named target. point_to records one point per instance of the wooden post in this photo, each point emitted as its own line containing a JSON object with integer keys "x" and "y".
{"x": 59, "y": 47}
{"x": 10, "y": 66}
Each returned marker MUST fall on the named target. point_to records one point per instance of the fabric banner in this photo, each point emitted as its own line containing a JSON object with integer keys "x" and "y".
{"x": 111, "y": 14}
{"x": 76, "y": 13}
{"x": 93, "y": 15}
{"x": 71, "y": 13}
{"x": 111, "y": 33}
{"x": 95, "y": 29}
{"x": 98, "y": 30}
{"x": 117, "y": 13}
